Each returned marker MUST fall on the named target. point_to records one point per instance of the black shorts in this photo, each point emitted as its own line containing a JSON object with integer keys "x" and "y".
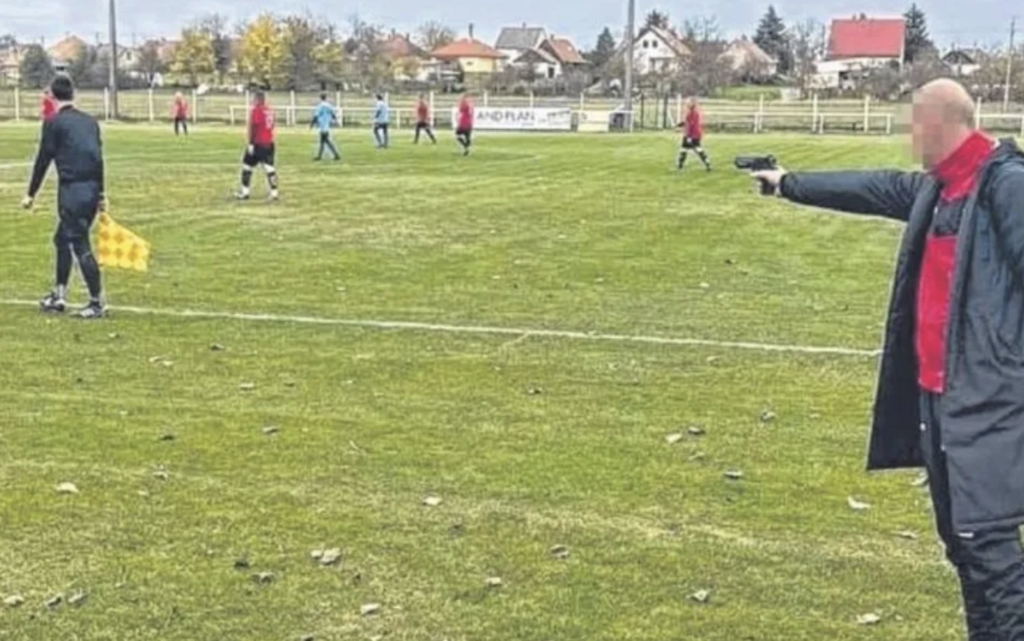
{"x": 420, "y": 126}
{"x": 462, "y": 131}
{"x": 691, "y": 143}
{"x": 261, "y": 155}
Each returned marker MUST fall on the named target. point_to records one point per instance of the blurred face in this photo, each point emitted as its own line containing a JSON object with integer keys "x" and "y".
{"x": 928, "y": 132}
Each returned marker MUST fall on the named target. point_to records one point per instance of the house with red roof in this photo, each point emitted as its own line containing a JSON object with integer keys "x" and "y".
{"x": 473, "y": 57}
{"x": 859, "y": 45}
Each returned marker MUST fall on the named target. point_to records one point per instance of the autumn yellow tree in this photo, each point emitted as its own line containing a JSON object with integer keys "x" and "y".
{"x": 264, "y": 54}
{"x": 194, "y": 55}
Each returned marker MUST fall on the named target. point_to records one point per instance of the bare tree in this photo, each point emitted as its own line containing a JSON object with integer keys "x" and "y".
{"x": 706, "y": 71}
{"x": 216, "y": 26}
{"x": 365, "y": 63}
{"x": 149, "y": 63}
{"x": 807, "y": 45}
{"x": 433, "y": 35}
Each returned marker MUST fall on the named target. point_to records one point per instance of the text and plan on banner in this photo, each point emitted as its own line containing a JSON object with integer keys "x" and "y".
{"x": 594, "y": 121}
{"x": 520, "y": 119}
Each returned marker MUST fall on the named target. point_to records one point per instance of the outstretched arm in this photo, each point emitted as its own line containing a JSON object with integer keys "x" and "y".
{"x": 889, "y": 194}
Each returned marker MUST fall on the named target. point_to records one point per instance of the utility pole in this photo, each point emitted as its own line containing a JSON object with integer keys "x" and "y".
{"x": 1009, "y": 66}
{"x": 630, "y": 29}
{"x": 113, "y": 60}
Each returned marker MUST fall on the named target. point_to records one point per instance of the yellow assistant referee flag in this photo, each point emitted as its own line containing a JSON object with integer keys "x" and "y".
{"x": 119, "y": 247}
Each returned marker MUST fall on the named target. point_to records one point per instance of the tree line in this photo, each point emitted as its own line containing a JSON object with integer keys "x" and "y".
{"x": 302, "y": 51}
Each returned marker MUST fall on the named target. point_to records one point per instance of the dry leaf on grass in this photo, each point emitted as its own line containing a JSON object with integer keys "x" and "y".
{"x": 67, "y": 488}
{"x": 494, "y": 582}
{"x": 330, "y": 557}
{"x": 270, "y": 430}
{"x": 54, "y": 601}
{"x": 14, "y": 601}
{"x": 868, "y": 619}
{"x": 369, "y": 609}
{"x": 263, "y": 578}
{"x": 857, "y": 506}
{"x": 734, "y": 475}
{"x": 695, "y": 430}
{"x": 920, "y": 481}
{"x": 672, "y": 439}
{"x": 432, "y": 501}
{"x": 701, "y": 596}
{"x": 560, "y": 552}
{"x": 767, "y": 416}
{"x": 77, "y": 599}
{"x": 247, "y": 387}
{"x": 907, "y": 534}
{"x": 217, "y": 347}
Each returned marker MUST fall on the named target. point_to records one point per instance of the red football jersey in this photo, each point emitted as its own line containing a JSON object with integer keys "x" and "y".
{"x": 465, "y": 115}
{"x": 180, "y": 108}
{"x": 694, "y": 126}
{"x": 262, "y": 122}
{"x": 48, "y": 109}
{"x": 422, "y": 112}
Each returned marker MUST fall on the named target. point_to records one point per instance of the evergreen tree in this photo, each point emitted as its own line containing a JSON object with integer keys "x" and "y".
{"x": 916, "y": 41}
{"x": 657, "y": 19}
{"x": 604, "y": 51}
{"x": 771, "y": 37}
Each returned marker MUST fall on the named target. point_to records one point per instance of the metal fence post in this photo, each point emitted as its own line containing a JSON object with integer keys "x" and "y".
{"x": 106, "y": 103}
{"x": 195, "y": 107}
{"x": 867, "y": 113}
{"x": 152, "y": 107}
{"x": 293, "y": 116}
{"x": 17, "y": 104}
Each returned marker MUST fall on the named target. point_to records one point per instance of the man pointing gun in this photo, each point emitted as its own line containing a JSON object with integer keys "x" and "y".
{"x": 951, "y": 389}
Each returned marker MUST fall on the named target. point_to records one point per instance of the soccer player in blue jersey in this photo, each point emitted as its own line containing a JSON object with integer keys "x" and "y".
{"x": 380, "y": 122}
{"x": 324, "y": 116}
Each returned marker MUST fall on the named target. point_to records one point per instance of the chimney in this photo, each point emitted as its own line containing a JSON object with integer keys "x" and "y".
{"x": 470, "y": 30}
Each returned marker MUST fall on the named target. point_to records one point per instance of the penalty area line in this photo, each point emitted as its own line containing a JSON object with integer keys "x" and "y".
{"x": 417, "y": 326}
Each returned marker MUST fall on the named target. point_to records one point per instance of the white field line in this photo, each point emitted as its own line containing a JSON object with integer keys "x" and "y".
{"x": 415, "y": 326}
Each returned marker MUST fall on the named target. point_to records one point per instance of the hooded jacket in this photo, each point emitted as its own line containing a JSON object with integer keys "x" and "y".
{"x": 982, "y": 409}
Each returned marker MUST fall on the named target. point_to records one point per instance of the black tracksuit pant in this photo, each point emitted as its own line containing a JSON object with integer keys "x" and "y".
{"x": 990, "y": 563}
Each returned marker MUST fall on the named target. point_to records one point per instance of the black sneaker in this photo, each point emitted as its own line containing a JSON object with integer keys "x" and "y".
{"x": 92, "y": 311}
{"x": 52, "y": 304}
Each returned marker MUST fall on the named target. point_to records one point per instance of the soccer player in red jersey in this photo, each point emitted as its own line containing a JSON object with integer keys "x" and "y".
{"x": 260, "y": 148}
{"x": 693, "y": 130}
{"x": 464, "y": 126}
{"x": 179, "y": 111}
{"x": 423, "y": 120}
{"x": 48, "y": 107}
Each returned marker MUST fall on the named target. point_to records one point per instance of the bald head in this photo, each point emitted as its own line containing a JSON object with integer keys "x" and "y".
{"x": 950, "y": 98}
{"x": 943, "y": 117}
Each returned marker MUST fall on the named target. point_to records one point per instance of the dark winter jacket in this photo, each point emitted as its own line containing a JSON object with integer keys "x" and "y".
{"x": 982, "y": 410}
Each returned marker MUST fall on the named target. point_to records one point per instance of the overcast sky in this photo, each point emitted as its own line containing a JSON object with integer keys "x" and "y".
{"x": 950, "y": 21}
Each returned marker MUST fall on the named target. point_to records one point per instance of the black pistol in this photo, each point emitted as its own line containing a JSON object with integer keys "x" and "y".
{"x": 758, "y": 163}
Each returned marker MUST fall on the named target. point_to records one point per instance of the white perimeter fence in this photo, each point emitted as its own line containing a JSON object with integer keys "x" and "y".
{"x": 296, "y": 109}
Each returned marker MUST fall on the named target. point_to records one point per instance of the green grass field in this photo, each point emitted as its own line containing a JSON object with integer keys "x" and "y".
{"x": 530, "y": 440}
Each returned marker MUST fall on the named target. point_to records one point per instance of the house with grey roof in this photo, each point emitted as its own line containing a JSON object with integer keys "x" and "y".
{"x": 515, "y": 41}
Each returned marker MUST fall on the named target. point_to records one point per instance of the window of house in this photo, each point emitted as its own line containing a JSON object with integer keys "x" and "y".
{"x": 647, "y": 44}
{"x": 655, "y": 44}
